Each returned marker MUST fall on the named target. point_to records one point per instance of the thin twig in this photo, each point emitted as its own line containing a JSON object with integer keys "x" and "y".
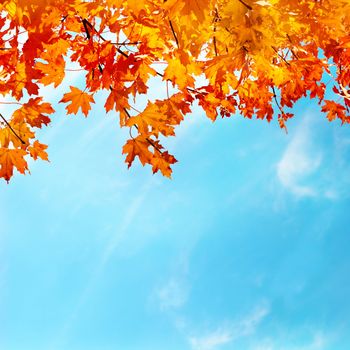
{"x": 274, "y": 49}
{"x": 275, "y": 98}
{"x": 245, "y": 4}
{"x": 291, "y": 50}
{"x": 11, "y": 103}
{"x": 87, "y": 23}
{"x": 174, "y": 34}
{"x": 127, "y": 43}
{"x": 147, "y": 139}
{"x": 216, "y": 18}
{"x": 280, "y": 108}
{"x": 14, "y": 132}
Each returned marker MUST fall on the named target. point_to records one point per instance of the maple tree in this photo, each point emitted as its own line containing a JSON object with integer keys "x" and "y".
{"x": 256, "y": 58}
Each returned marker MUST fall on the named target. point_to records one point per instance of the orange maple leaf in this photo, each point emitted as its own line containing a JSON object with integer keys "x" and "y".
{"x": 137, "y": 147}
{"x": 163, "y": 161}
{"x": 53, "y": 70}
{"x": 334, "y": 110}
{"x": 77, "y": 99}
{"x": 33, "y": 112}
{"x": 37, "y": 150}
{"x": 12, "y": 158}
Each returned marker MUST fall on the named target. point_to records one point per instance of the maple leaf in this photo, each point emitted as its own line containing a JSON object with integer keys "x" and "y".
{"x": 162, "y": 161}
{"x": 53, "y": 71}
{"x": 10, "y": 159}
{"x": 334, "y": 110}
{"x": 117, "y": 100}
{"x": 34, "y": 112}
{"x": 37, "y": 150}
{"x": 77, "y": 99}
{"x": 137, "y": 147}
{"x": 177, "y": 73}
{"x": 158, "y": 117}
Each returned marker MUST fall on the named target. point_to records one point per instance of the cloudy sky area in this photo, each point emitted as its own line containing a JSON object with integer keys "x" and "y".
{"x": 247, "y": 247}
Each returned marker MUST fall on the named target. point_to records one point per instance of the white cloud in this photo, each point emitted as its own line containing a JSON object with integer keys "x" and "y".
{"x": 299, "y": 161}
{"x": 228, "y": 333}
{"x": 211, "y": 341}
{"x": 172, "y": 295}
{"x": 318, "y": 341}
{"x": 248, "y": 325}
{"x": 331, "y": 194}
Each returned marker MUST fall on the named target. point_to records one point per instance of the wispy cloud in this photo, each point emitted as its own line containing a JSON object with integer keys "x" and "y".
{"x": 228, "y": 333}
{"x": 318, "y": 341}
{"x": 172, "y": 295}
{"x": 212, "y": 340}
{"x": 130, "y": 213}
{"x": 299, "y": 161}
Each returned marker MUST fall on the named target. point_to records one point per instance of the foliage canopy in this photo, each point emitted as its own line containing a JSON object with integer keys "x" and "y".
{"x": 256, "y": 58}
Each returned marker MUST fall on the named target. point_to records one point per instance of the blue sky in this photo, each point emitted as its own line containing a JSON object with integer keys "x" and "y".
{"x": 247, "y": 247}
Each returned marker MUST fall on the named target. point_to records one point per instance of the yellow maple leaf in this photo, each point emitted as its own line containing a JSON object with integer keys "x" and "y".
{"x": 53, "y": 70}
{"x": 177, "y": 73}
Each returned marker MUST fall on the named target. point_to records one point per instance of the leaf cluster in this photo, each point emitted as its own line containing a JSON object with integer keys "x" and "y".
{"x": 256, "y": 58}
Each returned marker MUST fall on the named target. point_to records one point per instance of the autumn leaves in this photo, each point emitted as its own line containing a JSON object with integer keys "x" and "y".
{"x": 16, "y": 139}
{"x": 255, "y": 58}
